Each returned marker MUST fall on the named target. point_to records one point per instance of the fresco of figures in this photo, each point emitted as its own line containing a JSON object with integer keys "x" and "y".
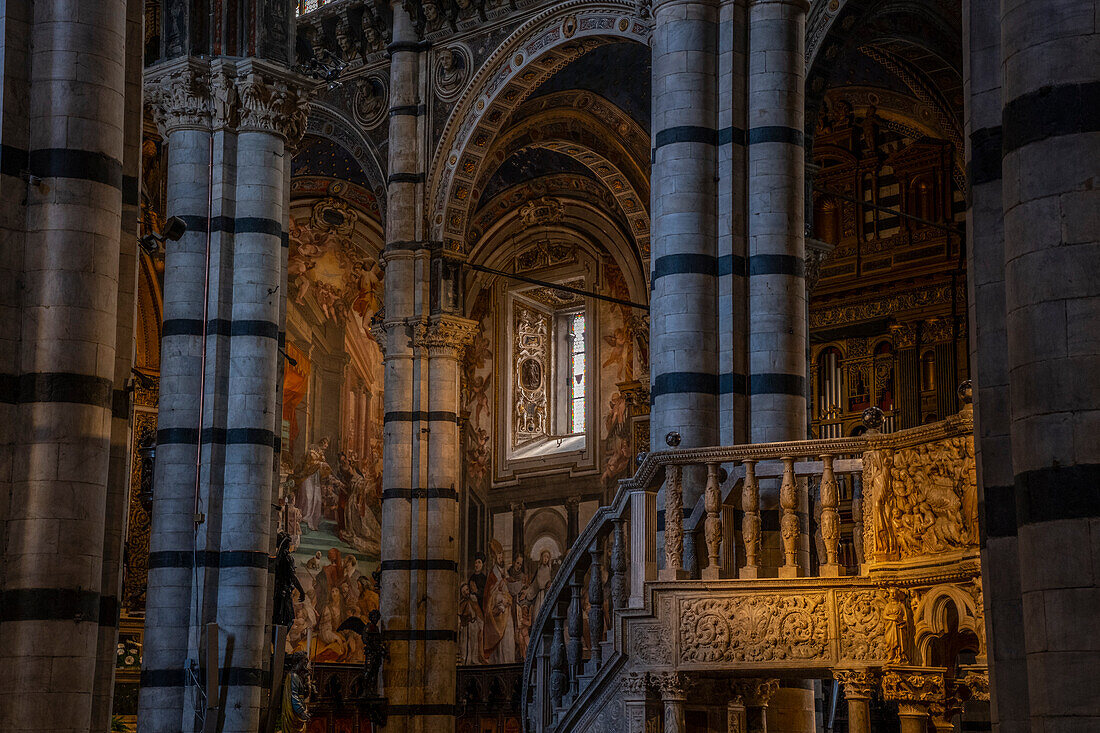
{"x": 331, "y": 463}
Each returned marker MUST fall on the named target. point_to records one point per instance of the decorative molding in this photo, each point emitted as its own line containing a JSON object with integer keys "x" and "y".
{"x": 913, "y": 684}
{"x": 444, "y": 335}
{"x": 858, "y": 683}
{"x": 754, "y": 628}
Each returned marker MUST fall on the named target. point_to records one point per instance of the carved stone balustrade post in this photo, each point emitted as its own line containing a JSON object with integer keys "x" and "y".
{"x": 595, "y": 601}
{"x": 643, "y": 544}
{"x": 830, "y": 519}
{"x": 559, "y": 674}
{"x": 750, "y": 522}
{"x": 633, "y": 688}
{"x": 618, "y": 565}
{"x": 673, "y": 689}
{"x": 757, "y": 694}
{"x": 712, "y": 499}
{"x": 789, "y": 524}
{"x": 736, "y": 721}
{"x": 674, "y": 525}
{"x": 575, "y": 647}
{"x": 858, "y": 686}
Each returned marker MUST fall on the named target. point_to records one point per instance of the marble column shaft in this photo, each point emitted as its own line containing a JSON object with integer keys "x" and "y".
{"x": 1050, "y": 145}
{"x": 60, "y": 373}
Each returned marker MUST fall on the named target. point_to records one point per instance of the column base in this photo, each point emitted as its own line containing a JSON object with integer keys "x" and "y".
{"x": 749, "y": 573}
{"x": 673, "y": 574}
{"x": 712, "y": 572}
{"x": 830, "y": 570}
{"x": 790, "y": 571}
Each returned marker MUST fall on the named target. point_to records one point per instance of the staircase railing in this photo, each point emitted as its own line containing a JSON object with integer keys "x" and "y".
{"x": 621, "y": 540}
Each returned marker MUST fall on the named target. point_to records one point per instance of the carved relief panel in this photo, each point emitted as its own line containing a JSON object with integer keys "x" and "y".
{"x": 531, "y": 373}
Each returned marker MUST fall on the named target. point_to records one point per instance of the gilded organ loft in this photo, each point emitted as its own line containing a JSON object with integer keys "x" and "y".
{"x": 598, "y": 366}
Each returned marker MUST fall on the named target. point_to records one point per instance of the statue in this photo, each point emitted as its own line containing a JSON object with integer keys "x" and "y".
{"x": 374, "y": 648}
{"x": 286, "y": 581}
{"x": 894, "y": 614}
{"x": 297, "y": 689}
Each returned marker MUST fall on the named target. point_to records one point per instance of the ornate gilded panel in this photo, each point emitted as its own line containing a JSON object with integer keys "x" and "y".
{"x": 754, "y": 628}
{"x": 531, "y": 373}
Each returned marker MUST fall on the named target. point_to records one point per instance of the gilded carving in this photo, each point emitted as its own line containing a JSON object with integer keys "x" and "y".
{"x": 858, "y": 683}
{"x": 912, "y": 684}
{"x": 924, "y": 499}
{"x": 444, "y": 336}
{"x": 754, "y": 628}
{"x": 862, "y": 626}
{"x": 530, "y": 369}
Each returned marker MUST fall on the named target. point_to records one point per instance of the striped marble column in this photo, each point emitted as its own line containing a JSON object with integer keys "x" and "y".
{"x": 988, "y": 346}
{"x": 683, "y": 301}
{"x": 776, "y": 236}
{"x": 179, "y": 95}
{"x": 732, "y": 252}
{"x": 251, "y": 420}
{"x": 403, "y": 467}
{"x": 209, "y": 551}
{"x": 61, "y": 379}
{"x": 1050, "y": 143}
{"x": 118, "y": 484}
{"x": 444, "y": 339}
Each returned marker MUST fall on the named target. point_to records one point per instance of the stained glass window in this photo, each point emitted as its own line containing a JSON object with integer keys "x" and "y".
{"x": 577, "y": 374}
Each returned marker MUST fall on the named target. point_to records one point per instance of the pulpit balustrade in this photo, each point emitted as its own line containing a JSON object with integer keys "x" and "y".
{"x": 919, "y": 542}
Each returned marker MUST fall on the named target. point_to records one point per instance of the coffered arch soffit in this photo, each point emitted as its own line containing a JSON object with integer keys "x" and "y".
{"x": 593, "y": 132}
{"x": 328, "y": 122}
{"x": 583, "y": 223}
{"x": 526, "y": 59}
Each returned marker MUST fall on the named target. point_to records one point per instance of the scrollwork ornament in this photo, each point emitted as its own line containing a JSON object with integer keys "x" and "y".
{"x": 671, "y": 685}
{"x": 651, "y": 645}
{"x": 754, "y": 628}
{"x": 912, "y": 684}
{"x": 633, "y": 684}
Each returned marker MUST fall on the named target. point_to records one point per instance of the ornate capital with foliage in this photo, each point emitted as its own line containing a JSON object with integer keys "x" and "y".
{"x": 633, "y": 684}
{"x": 758, "y": 693}
{"x": 913, "y": 684}
{"x": 858, "y": 683}
{"x": 671, "y": 685}
{"x": 444, "y": 335}
{"x": 247, "y": 95}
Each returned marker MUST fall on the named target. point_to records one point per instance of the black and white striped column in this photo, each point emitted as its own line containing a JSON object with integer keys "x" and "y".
{"x": 166, "y": 701}
{"x": 732, "y": 252}
{"x": 683, "y": 302}
{"x": 65, "y": 185}
{"x": 403, "y": 453}
{"x": 776, "y": 232}
{"x": 209, "y": 552}
{"x": 1050, "y": 142}
{"x": 118, "y": 483}
{"x": 988, "y": 347}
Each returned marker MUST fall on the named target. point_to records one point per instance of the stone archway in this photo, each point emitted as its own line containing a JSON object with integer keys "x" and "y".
{"x": 532, "y": 54}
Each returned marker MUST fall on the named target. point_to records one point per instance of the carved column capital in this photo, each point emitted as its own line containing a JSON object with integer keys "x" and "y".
{"x": 858, "y": 683}
{"x": 518, "y": 509}
{"x": 904, "y": 334}
{"x": 633, "y": 685}
{"x": 671, "y": 685}
{"x": 444, "y": 335}
{"x": 936, "y": 330}
{"x": 246, "y": 95}
{"x": 757, "y": 693}
{"x": 179, "y": 96}
{"x": 572, "y": 502}
{"x": 913, "y": 684}
{"x": 269, "y": 101}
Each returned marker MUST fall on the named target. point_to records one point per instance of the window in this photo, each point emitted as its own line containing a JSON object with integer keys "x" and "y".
{"x": 576, "y": 374}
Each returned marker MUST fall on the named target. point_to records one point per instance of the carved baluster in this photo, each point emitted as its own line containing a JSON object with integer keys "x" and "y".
{"x": 595, "y": 601}
{"x": 789, "y": 525}
{"x": 559, "y": 671}
{"x": 674, "y": 525}
{"x": 574, "y": 649}
{"x": 750, "y": 522}
{"x": 830, "y": 520}
{"x": 712, "y": 500}
{"x": 618, "y": 565}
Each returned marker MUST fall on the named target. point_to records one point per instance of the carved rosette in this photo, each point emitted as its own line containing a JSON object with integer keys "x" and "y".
{"x": 755, "y": 628}
{"x": 858, "y": 683}
{"x": 913, "y": 684}
{"x": 444, "y": 335}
